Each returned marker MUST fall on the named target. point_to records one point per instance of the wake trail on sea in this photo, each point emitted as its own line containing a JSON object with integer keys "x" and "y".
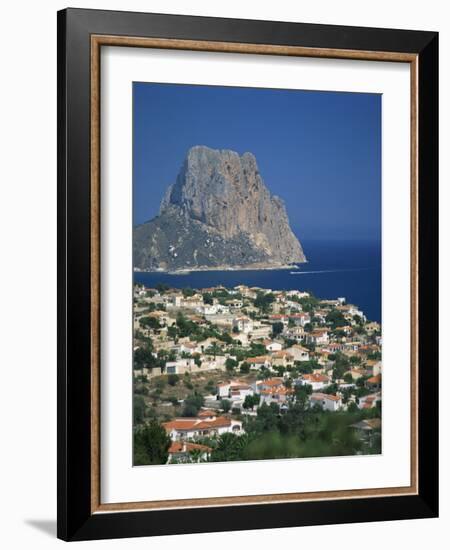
{"x": 330, "y": 271}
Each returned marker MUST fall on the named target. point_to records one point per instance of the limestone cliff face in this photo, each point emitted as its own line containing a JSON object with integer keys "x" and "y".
{"x": 218, "y": 213}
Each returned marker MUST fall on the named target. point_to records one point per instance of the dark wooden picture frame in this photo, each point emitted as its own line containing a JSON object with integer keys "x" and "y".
{"x": 81, "y": 34}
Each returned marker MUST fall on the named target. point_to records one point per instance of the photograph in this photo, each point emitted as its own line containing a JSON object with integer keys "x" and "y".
{"x": 257, "y": 291}
{"x": 247, "y": 273}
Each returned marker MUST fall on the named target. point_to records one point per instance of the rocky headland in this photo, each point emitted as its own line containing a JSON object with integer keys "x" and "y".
{"x": 218, "y": 214}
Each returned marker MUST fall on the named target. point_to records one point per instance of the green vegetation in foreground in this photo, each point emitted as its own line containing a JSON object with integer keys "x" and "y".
{"x": 299, "y": 433}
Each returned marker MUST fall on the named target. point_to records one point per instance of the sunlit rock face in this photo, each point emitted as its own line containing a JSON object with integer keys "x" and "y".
{"x": 217, "y": 214}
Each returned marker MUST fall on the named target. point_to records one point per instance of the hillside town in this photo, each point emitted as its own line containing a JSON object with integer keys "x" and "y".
{"x": 248, "y": 373}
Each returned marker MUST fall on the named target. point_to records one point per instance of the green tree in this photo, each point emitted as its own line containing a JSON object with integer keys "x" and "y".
{"x": 208, "y": 299}
{"x": 229, "y": 447}
{"x": 302, "y": 393}
{"x": 143, "y": 357}
{"x": 225, "y": 337}
{"x": 266, "y": 419}
{"x": 150, "y": 323}
{"x": 308, "y": 303}
{"x": 214, "y": 350}
{"x": 186, "y": 327}
{"x": 230, "y": 364}
{"x": 138, "y": 409}
{"x": 251, "y": 401}
{"x": 277, "y": 328}
{"x": 162, "y": 287}
{"x": 196, "y": 455}
{"x": 192, "y": 404}
{"x": 151, "y": 444}
{"x": 348, "y": 378}
{"x": 264, "y": 300}
{"x": 244, "y": 368}
{"x": 173, "y": 379}
{"x": 225, "y": 405}
{"x": 257, "y": 349}
{"x": 210, "y": 387}
{"x": 335, "y": 319}
{"x": 341, "y": 365}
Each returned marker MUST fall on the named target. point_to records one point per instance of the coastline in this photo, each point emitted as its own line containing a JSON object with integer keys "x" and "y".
{"x": 252, "y": 267}
{"x": 341, "y": 274}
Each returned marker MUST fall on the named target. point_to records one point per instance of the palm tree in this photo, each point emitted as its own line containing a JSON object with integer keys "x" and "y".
{"x": 215, "y": 349}
{"x": 196, "y": 455}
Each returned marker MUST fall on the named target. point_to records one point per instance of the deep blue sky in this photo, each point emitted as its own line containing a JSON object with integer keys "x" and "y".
{"x": 319, "y": 151}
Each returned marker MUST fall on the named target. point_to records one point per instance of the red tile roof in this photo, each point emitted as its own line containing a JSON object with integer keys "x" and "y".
{"x": 321, "y": 396}
{"x": 206, "y": 413}
{"x": 190, "y": 424}
{"x": 271, "y": 382}
{"x": 185, "y": 447}
{"x": 260, "y": 359}
{"x": 277, "y": 391}
{"x": 315, "y": 377}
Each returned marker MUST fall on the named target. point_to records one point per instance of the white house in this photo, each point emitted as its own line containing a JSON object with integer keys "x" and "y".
{"x": 242, "y": 338}
{"x": 273, "y": 390}
{"x": 279, "y": 318}
{"x": 298, "y": 352}
{"x": 301, "y": 319}
{"x": 269, "y": 384}
{"x": 282, "y": 358}
{"x": 297, "y": 293}
{"x": 190, "y": 428}
{"x": 186, "y": 347}
{"x": 239, "y": 391}
{"x": 209, "y": 363}
{"x": 260, "y": 330}
{"x": 243, "y": 324}
{"x": 353, "y": 310}
{"x": 224, "y": 310}
{"x": 185, "y": 451}
{"x": 235, "y": 303}
{"x": 192, "y": 302}
{"x": 273, "y": 346}
{"x": 316, "y": 380}
{"x": 207, "y": 309}
{"x": 326, "y": 402}
{"x": 223, "y": 390}
{"x": 279, "y": 395}
{"x": 295, "y": 333}
{"x": 234, "y": 390}
{"x": 318, "y": 336}
{"x": 180, "y": 366}
{"x": 369, "y": 401}
{"x": 259, "y": 362}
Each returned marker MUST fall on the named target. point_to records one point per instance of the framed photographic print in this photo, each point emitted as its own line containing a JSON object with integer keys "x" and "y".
{"x": 247, "y": 274}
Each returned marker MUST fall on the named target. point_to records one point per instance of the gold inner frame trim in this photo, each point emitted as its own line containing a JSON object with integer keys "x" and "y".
{"x": 97, "y": 41}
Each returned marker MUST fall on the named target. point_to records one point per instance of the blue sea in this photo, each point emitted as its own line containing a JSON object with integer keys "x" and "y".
{"x": 335, "y": 268}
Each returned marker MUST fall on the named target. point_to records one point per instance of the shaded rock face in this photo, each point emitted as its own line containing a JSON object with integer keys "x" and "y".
{"x": 218, "y": 213}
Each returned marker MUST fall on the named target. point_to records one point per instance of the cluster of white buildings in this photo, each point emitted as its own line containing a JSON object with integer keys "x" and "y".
{"x": 299, "y": 337}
